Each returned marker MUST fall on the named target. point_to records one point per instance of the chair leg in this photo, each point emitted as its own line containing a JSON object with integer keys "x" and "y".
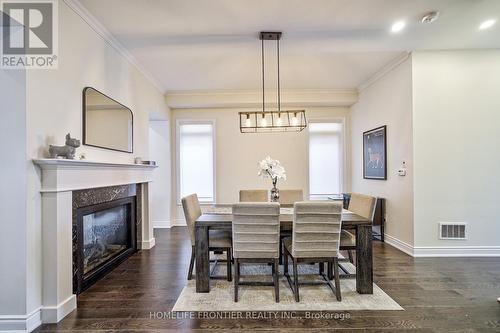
{"x": 281, "y": 252}
{"x": 337, "y": 279}
{"x": 285, "y": 263}
{"x": 191, "y": 264}
{"x": 228, "y": 259}
{"x": 349, "y": 253}
{"x": 330, "y": 271}
{"x": 321, "y": 268}
{"x": 276, "y": 281}
{"x": 295, "y": 280}
{"x": 236, "y": 278}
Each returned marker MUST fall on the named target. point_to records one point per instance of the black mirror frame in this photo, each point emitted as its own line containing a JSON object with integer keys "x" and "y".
{"x": 84, "y": 134}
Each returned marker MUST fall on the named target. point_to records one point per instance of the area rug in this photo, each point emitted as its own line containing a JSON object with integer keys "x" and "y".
{"x": 261, "y": 298}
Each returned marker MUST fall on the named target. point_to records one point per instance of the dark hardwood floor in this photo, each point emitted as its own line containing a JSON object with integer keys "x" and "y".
{"x": 438, "y": 294}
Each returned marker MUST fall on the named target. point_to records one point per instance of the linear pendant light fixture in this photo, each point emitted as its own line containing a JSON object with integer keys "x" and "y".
{"x": 272, "y": 121}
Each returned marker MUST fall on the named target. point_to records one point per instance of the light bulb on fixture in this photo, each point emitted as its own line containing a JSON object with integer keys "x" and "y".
{"x": 279, "y": 122}
{"x": 295, "y": 120}
{"x": 263, "y": 122}
{"x": 248, "y": 122}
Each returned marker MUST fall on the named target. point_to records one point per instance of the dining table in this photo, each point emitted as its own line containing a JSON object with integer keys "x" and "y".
{"x": 219, "y": 217}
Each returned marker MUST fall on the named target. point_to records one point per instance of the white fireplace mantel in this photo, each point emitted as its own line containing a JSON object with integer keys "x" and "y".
{"x": 59, "y": 178}
{"x": 59, "y": 175}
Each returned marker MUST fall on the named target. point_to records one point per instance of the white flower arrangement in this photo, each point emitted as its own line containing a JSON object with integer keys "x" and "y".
{"x": 270, "y": 168}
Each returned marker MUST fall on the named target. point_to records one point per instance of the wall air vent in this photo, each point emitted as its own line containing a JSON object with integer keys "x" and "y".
{"x": 452, "y": 230}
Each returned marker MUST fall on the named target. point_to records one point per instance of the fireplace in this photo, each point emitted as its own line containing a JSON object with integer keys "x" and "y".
{"x": 104, "y": 233}
{"x": 66, "y": 186}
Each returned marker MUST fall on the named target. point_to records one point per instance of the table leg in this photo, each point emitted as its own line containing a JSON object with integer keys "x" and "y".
{"x": 202, "y": 260}
{"x": 364, "y": 260}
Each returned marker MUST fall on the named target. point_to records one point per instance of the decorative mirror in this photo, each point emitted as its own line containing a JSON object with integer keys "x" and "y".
{"x": 106, "y": 123}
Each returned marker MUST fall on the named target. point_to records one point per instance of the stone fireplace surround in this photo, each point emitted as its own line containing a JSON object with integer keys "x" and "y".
{"x": 60, "y": 178}
{"x": 101, "y": 195}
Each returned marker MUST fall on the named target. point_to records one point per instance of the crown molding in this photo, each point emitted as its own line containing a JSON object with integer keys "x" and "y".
{"x": 192, "y": 99}
{"x": 384, "y": 70}
{"x": 108, "y": 37}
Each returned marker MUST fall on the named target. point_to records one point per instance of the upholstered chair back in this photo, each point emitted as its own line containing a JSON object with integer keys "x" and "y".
{"x": 363, "y": 205}
{"x": 192, "y": 211}
{"x": 289, "y": 197}
{"x": 316, "y": 229}
{"x": 254, "y": 196}
{"x": 256, "y": 230}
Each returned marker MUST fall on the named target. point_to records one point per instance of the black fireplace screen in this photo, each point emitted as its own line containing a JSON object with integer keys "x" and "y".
{"x": 105, "y": 237}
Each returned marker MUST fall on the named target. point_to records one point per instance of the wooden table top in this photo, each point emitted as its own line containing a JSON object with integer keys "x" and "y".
{"x": 219, "y": 215}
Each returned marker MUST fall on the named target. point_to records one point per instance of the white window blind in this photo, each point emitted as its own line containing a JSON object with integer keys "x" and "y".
{"x": 325, "y": 159}
{"x": 196, "y": 160}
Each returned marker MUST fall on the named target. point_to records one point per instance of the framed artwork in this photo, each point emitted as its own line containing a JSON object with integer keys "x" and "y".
{"x": 375, "y": 153}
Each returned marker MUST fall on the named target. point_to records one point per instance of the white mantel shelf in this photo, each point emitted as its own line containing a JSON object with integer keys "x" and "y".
{"x": 60, "y": 175}
{"x": 59, "y": 162}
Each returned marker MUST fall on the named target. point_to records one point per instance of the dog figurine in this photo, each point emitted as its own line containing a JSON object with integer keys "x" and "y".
{"x": 67, "y": 151}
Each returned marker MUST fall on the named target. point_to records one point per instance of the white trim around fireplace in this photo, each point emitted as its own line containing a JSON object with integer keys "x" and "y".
{"x": 60, "y": 175}
{"x": 53, "y": 314}
{"x": 59, "y": 179}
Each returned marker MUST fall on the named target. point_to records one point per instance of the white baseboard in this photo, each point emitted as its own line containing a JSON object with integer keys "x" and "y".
{"x": 179, "y": 223}
{"x": 21, "y": 323}
{"x": 34, "y": 320}
{"x": 53, "y": 314}
{"x": 398, "y": 244}
{"x": 168, "y": 224}
{"x": 47, "y": 314}
{"x": 161, "y": 225}
{"x": 149, "y": 244}
{"x": 456, "y": 251}
{"x": 443, "y": 251}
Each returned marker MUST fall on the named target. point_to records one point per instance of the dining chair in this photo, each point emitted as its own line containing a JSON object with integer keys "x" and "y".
{"x": 287, "y": 199}
{"x": 218, "y": 240}
{"x": 254, "y": 196}
{"x": 315, "y": 239}
{"x": 362, "y": 205}
{"x": 256, "y": 228}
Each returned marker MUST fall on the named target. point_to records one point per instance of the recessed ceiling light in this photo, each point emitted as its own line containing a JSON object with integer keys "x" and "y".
{"x": 487, "y": 24}
{"x": 398, "y": 26}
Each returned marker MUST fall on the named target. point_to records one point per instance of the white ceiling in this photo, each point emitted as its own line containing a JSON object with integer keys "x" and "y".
{"x": 213, "y": 44}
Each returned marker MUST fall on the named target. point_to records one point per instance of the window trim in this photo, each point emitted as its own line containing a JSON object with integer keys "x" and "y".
{"x": 343, "y": 153}
{"x": 178, "y": 124}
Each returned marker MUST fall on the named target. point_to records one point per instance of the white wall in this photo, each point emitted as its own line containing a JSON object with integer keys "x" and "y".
{"x": 159, "y": 151}
{"x": 55, "y": 97}
{"x": 13, "y": 262}
{"x": 53, "y": 108}
{"x": 388, "y": 101}
{"x": 456, "y": 118}
{"x": 237, "y": 154}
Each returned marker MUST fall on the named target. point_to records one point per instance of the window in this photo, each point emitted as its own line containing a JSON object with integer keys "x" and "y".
{"x": 195, "y": 147}
{"x": 325, "y": 159}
